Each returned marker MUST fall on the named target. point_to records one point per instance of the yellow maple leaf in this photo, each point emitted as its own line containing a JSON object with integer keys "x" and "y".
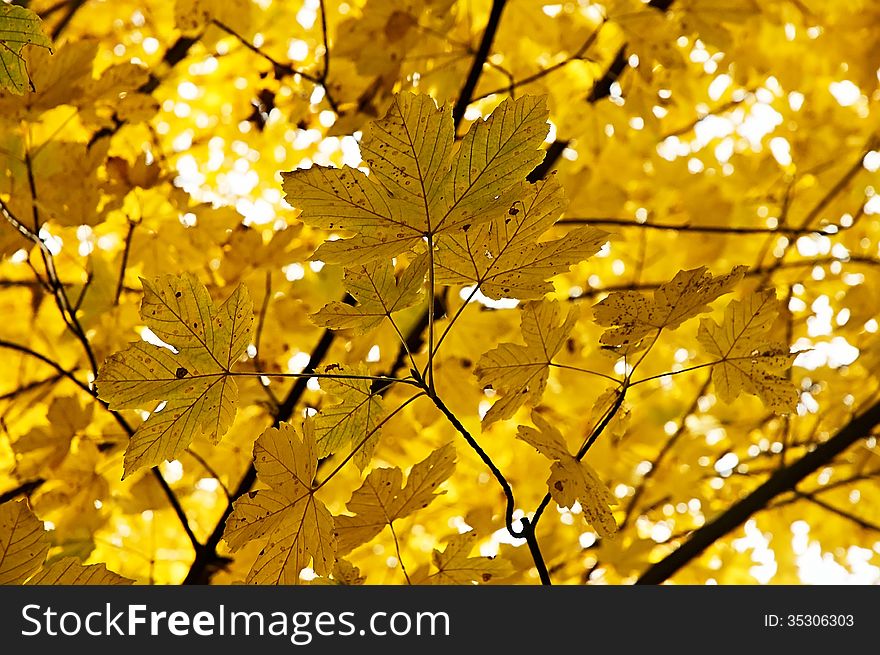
{"x": 504, "y": 257}
{"x": 70, "y": 571}
{"x": 190, "y": 391}
{"x": 23, "y": 545}
{"x": 19, "y": 27}
{"x": 571, "y": 479}
{"x": 344, "y": 574}
{"x": 193, "y": 16}
{"x": 296, "y": 526}
{"x": 454, "y": 566}
{"x": 379, "y": 294}
{"x": 353, "y": 419}
{"x": 23, "y": 548}
{"x": 748, "y": 355}
{"x": 519, "y": 373}
{"x": 383, "y": 498}
{"x": 417, "y": 187}
{"x": 631, "y": 316}
{"x": 45, "y": 447}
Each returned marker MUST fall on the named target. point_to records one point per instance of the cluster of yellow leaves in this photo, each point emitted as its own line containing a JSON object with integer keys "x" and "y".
{"x": 433, "y": 219}
{"x": 482, "y": 224}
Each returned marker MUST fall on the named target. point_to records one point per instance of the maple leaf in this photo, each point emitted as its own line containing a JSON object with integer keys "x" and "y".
{"x": 455, "y": 567}
{"x": 634, "y": 317}
{"x": 70, "y": 571}
{"x": 504, "y": 258}
{"x": 23, "y": 548}
{"x": 45, "y": 447}
{"x": 353, "y": 419}
{"x": 192, "y": 16}
{"x": 571, "y": 479}
{"x": 19, "y": 27}
{"x": 23, "y": 545}
{"x": 383, "y": 498}
{"x": 344, "y": 573}
{"x": 378, "y": 292}
{"x": 417, "y": 187}
{"x": 194, "y": 384}
{"x": 747, "y": 353}
{"x": 519, "y": 373}
{"x": 296, "y": 526}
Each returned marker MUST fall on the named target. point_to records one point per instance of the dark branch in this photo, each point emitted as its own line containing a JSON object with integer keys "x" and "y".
{"x": 25, "y": 488}
{"x": 780, "y": 482}
{"x": 602, "y": 87}
{"x": 62, "y": 24}
{"x": 467, "y": 91}
{"x": 173, "y": 56}
{"x": 709, "y": 229}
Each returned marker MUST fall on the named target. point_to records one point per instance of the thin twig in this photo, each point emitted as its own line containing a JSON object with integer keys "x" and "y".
{"x": 783, "y": 480}
{"x": 124, "y": 265}
{"x": 473, "y": 77}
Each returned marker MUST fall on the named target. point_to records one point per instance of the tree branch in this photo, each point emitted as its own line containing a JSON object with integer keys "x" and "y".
{"x": 470, "y": 83}
{"x": 24, "y": 488}
{"x": 785, "y": 479}
{"x": 62, "y": 24}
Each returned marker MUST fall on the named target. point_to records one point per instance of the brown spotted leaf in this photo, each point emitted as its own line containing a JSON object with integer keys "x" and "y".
{"x": 351, "y": 421}
{"x": 190, "y": 391}
{"x": 418, "y": 185}
{"x": 295, "y": 527}
{"x": 505, "y": 257}
{"x": 19, "y": 27}
{"x": 631, "y": 316}
{"x": 519, "y": 373}
{"x": 749, "y": 358}
{"x": 571, "y": 480}
{"x": 455, "y": 566}
{"x": 379, "y": 293}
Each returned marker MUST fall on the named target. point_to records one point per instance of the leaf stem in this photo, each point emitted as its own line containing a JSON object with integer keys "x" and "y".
{"x": 431, "y": 291}
{"x": 588, "y": 371}
{"x": 397, "y": 549}
{"x": 366, "y": 438}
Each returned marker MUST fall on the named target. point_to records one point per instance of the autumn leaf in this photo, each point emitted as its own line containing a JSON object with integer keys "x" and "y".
{"x": 295, "y": 526}
{"x": 519, "y": 373}
{"x": 383, "y": 497}
{"x": 749, "y": 358}
{"x": 504, "y": 257}
{"x": 19, "y": 27}
{"x": 571, "y": 480}
{"x": 344, "y": 573}
{"x": 379, "y": 293}
{"x": 190, "y": 391}
{"x": 45, "y": 447}
{"x": 363, "y": 201}
{"x": 191, "y": 16}
{"x": 455, "y": 567}
{"x": 354, "y": 419}
{"x": 418, "y": 187}
{"x": 23, "y": 547}
{"x": 70, "y": 571}
{"x": 631, "y": 316}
